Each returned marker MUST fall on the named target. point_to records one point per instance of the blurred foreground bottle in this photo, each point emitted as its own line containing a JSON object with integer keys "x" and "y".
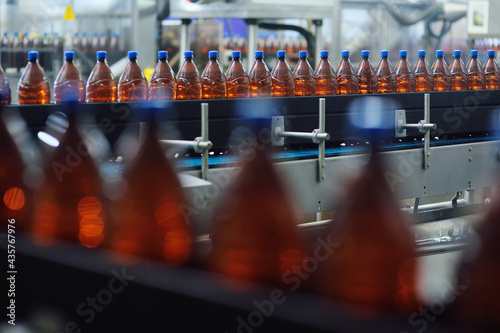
{"x": 366, "y": 75}
{"x": 441, "y": 73}
{"x": 255, "y": 234}
{"x": 162, "y": 83}
{"x": 347, "y": 79}
{"x": 404, "y": 74}
{"x": 237, "y": 81}
{"x": 101, "y": 85}
{"x": 305, "y": 82}
{"x": 5, "y": 93}
{"x": 387, "y": 82}
{"x": 188, "y": 79}
{"x": 282, "y": 77}
{"x": 459, "y": 76}
{"x": 213, "y": 81}
{"x": 326, "y": 78}
{"x": 33, "y": 87}
{"x": 492, "y": 71}
{"x": 68, "y": 204}
{"x": 475, "y": 71}
{"x": 423, "y": 73}
{"x": 148, "y": 218}
{"x": 260, "y": 78}
{"x": 133, "y": 85}
{"x": 69, "y": 81}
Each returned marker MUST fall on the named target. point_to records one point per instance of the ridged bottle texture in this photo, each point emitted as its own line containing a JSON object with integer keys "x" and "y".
{"x": 441, "y": 73}
{"x": 326, "y": 78}
{"x": 404, "y": 74}
{"x": 5, "y": 93}
{"x": 367, "y": 77}
{"x": 475, "y": 70}
{"x": 33, "y": 87}
{"x": 213, "y": 80}
{"x": 346, "y": 76}
{"x": 101, "y": 84}
{"x": 260, "y": 77}
{"x": 305, "y": 82}
{"x": 458, "y": 71}
{"x": 133, "y": 85}
{"x": 188, "y": 79}
{"x": 282, "y": 77}
{"x": 162, "y": 83}
{"x": 69, "y": 84}
{"x": 423, "y": 73}
{"x": 386, "y": 77}
{"x": 492, "y": 71}
{"x": 237, "y": 81}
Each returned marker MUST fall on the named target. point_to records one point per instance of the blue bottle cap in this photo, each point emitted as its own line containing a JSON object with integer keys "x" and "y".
{"x": 76, "y": 34}
{"x": 345, "y": 53}
{"x": 5, "y": 33}
{"x": 32, "y": 55}
{"x": 302, "y": 53}
{"x": 84, "y": 33}
{"x": 132, "y": 54}
{"x": 324, "y": 53}
{"x": 16, "y": 33}
{"x": 236, "y": 54}
{"x": 213, "y": 54}
{"x": 365, "y": 53}
{"x": 69, "y": 55}
{"x": 281, "y": 53}
{"x": 103, "y": 33}
{"x": 95, "y": 34}
{"x": 403, "y": 53}
{"x": 474, "y": 53}
{"x": 457, "y": 53}
{"x": 491, "y": 53}
{"x": 259, "y": 54}
{"x": 439, "y": 53}
{"x": 421, "y": 53}
{"x": 162, "y": 54}
{"x": 101, "y": 54}
{"x": 188, "y": 54}
{"x": 384, "y": 53}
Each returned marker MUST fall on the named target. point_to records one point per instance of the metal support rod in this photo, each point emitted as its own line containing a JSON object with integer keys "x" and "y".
{"x": 184, "y": 38}
{"x": 427, "y": 136}
{"x": 321, "y": 146}
{"x": 204, "y": 138}
{"x": 252, "y": 42}
{"x": 319, "y": 42}
{"x": 304, "y": 135}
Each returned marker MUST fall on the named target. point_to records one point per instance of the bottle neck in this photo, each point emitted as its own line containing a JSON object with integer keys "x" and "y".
{"x": 440, "y": 57}
{"x": 133, "y": 59}
{"x": 69, "y": 60}
{"x": 213, "y": 59}
{"x": 365, "y": 58}
{"x": 346, "y": 58}
{"x": 163, "y": 59}
{"x": 102, "y": 60}
{"x": 403, "y": 57}
{"x": 421, "y": 57}
{"x": 188, "y": 59}
{"x": 33, "y": 61}
{"x": 324, "y": 58}
{"x": 281, "y": 58}
{"x": 457, "y": 57}
{"x": 258, "y": 59}
{"x": 236, "y": 59}
{"x": 474, "y": 57}
{"x": 384, "y": 58}
{"x": 491, "y": 57}
{"x": 303, "y": 58}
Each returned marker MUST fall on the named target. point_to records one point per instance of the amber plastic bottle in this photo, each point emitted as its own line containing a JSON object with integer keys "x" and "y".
{"x": 423, "y": 74}
{"x": 326, "y": 78}
{"x": 69, "y": 81}
{"x": 367, "y": 77}
{"x": 475, "y": 70}
{"x": 162, "y": 82}
{"x": 282, "y": 77}
{"x": 188, "y": 79}
{"x": 441, "y": 73}
{"x": 69, "y": 203}
{"x": 5, "y": 93}
{"x": 459, "y": 76}
{"x": 149, "y": 219}
{"x": 387, "y": 82}
{"x": 305, "y": 81}
{"x": 213, "y": 80}
{"x": 374, "y": 265}
{"x": 492, "y": 71}
{"x": 259, "y": 215}
{"x": 133, "y": 85}
{"x": 237, "y": 81}
{"x": 404, "y": 74}
{"x": 346, "y": 76}
{"x": 101, "y": 85}
{"x": 33, "y": 87}
{"x": 260, "y": 78}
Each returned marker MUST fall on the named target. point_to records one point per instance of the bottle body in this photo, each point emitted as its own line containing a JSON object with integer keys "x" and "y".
{"x": 237, "y": 81}
{"x": 459, "y": 77}
{"x": 69, "y": 83}
{"x": 405, "y": 76}
{"x": 162, "y": 83}
{"x": 260, "y": 78}
{"x": 305, "y": 81}
{"x": 386, "y": 77}
{"x": 492, "y": 71}
{"x": 188, "y": 79}
{"x": 101, "y": 85}
{"x": 424, "y": 79}
{"x": 282, "y": 77}
{"x": 441, "y": 73}
{"x": 213, "y": 81}
{"x": 132, "y": 86}
{"x": 367, "y": 78}
{"x": 346, "y": 76}
{"x": 5, "y": 93}
{"x": 475, "y": 71}
{"x": 326, "y": 78}
{"x": 33, "y": 87}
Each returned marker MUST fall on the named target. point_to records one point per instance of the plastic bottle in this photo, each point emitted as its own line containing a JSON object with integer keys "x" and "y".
{"x": 282, "y": 77}
{"x": 5, "y": 93}
{"x": 114, "y": 43}
{"x": 133, "y": 85}
{"x": 33, "y": 87}
{"x": 305, "y": 82}
{"x": 326, "y": 78}
{"x": 367, "y": 78}
{"x": 94, "y": 42}
{"x": 5, "y": 44}
{"x": 16, "y": 58}
{"x": 213, "y": 81}
{"x": 76, "y": 40}
{"x": 475, "y": 70}
{"x": 260, "y": 78}
{"x": 162, "y": 83}
{"x": 386, "y": 76}
{"x": 347, "y": 79}
{"x": 237, "y": 81}
{"x": 188, "y": 79}
{"x": 441, "y": 73}
{"x": 101, "y": 85}
{"x": 69, "y": 83}
{"x": 423, "y": 74}
{"x": 459, "y": 76}
{"x": 85, "y": 43}
{"x": 103, "y": 41}
{"x": 492, "y": 71}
